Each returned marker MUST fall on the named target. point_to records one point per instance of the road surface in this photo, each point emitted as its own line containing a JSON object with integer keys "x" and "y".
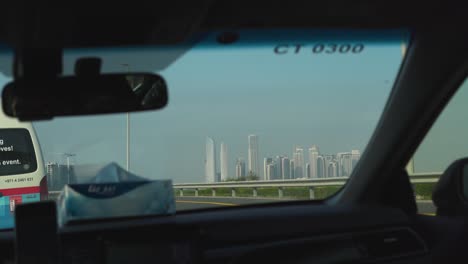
{"x": 192, "y": 203}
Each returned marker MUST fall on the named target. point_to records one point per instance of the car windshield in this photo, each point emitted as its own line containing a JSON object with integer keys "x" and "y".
{"x": 254, "y": 116}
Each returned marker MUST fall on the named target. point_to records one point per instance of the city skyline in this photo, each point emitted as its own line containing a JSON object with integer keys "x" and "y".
{"x": 277, "y": 167}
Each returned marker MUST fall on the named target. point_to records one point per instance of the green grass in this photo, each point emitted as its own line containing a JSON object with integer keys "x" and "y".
{"x": 325, "y": 191}
{"x": 272, "y": 192}
{"x": 296, "y": 192}
{"x": 190, "y": 192}
{"x": 303, "y": 192}
{"x": 240, "y": 192}
{"x": 423, "y": 191}
{"x": 223, "y": 192}
{"x": 204, "y": 192}
{"x": 244, "y": 192}
{"x": 267, "y": 192}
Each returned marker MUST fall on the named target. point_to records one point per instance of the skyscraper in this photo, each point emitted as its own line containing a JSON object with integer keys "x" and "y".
{"x": 223, "y": 160}
{"x": 278, "y": 167}
{"x": 210, "y": 161}
{"x": 58, "y": 175}
{"x": 331, "y": 169}
{"x": 292, "y": 169}
{"x": 355, "y": 156}
{"x": 270, "y": 171}
{"x": 295, "y": 158}
{"x": 285, "y": 173}
{"x": 335, "y": 169}
{"x": 307, "y": 170}
{"x": 313, "y": 155}
{"x": 346, "y": 164}
{"x": 253, "y": 155}
{"x": 341, "y": 163}
{"x": 52, "y": 170}
{"x": 266, "y": 162}
{"x": 338, "y": 168}
{"x": 320, "y": 167}
{"x": 327, "y": 160}
{"x": 240, "y": 168}
{"x": 298, "y": 156}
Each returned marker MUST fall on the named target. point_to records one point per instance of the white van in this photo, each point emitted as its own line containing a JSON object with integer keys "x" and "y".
{"x": 22, "y": 174}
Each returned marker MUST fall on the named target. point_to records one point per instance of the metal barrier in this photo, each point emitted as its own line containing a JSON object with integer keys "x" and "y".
{"x": 430, "y": 177}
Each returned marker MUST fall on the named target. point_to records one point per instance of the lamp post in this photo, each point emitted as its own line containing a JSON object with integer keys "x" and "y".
{"x": 68, "y": 155}
{"x": 128, "y": 127}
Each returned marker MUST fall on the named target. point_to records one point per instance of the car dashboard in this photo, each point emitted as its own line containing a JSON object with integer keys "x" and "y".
{"x": 277, "y": 233}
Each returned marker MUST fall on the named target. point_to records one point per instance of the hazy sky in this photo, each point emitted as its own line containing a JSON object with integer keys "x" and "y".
{"x": 228, "y": 92}
{"x": 446, "y": 141}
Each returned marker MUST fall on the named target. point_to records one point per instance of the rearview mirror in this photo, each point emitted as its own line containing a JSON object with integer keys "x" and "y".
{"x": 72, "y": 95}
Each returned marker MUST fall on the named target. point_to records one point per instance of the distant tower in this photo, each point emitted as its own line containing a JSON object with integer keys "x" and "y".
{"x": 298, "y": 156}
{"x": 332, "y": 169}
{"x": 240, "y": 168}
{"x": 346, "y": 164}
{"x": 307, "y": 170}
{"x": 285, "y": 166}
{"x": 278, "y": 167}
{"x": 210, "y": 161}
{"x": 53, "y": 177}
{"x": 355, "y": 156}
{"x": 266, "y": 162}
{"x": 328, "y": 159}
{"x": 292, "y": 169}
{"x": 223, "y": 160}
{"x": 253, "y": 155}
{"x": 270, "y": 169}
{"x": 320, "y": 167}
{"x": 313, "y": 156}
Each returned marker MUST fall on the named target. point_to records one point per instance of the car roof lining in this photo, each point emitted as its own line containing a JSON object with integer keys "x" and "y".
{"x": 157, "y": 22}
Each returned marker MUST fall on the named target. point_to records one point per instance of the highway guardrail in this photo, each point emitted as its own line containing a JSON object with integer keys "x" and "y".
{"x": 311, "y": 184}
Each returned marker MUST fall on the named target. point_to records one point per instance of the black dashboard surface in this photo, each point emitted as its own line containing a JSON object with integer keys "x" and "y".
{"x": 225, "y": 235}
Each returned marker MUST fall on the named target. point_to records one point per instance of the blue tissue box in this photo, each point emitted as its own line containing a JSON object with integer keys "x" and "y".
{"x": 120, "y": 199}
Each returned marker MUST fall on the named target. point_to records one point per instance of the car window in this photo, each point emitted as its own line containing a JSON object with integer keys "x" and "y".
{"x": 16, "y": 152}
{"x": 444, "y": 143}
{"x": 288, "y": 111}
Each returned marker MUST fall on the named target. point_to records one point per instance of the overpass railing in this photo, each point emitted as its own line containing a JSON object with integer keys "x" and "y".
{"x": 280, "y": 185}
